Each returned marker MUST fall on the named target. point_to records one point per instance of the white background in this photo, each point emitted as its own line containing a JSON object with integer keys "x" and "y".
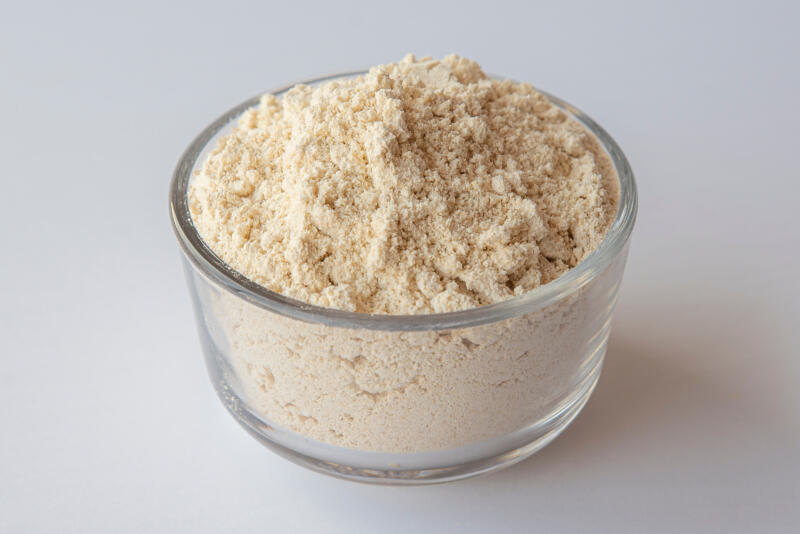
{"x": 107, "y": 420}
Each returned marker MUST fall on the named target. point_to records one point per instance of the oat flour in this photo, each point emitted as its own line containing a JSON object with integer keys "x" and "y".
{"x": 422, "y": 186}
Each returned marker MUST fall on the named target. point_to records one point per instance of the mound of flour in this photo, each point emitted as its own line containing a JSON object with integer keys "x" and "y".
{"x": 420, "y": 187}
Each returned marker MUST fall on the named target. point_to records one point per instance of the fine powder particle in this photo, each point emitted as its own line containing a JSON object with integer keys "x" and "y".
{"x": 420, "y": 187}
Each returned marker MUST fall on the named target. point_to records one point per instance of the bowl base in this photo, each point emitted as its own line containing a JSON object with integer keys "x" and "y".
{"x": 534, "y": 438}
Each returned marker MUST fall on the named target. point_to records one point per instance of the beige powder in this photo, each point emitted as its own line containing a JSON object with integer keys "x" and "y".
{"x": 420, "y": 187}
{"x": 410, "y": 391}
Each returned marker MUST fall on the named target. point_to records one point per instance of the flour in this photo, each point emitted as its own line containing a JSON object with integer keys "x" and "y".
{"x": 420, "y": 187}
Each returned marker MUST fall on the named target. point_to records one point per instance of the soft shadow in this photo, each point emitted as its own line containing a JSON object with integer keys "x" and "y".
{"x": 636, "y": 394}
{"x": 667, "y": 373}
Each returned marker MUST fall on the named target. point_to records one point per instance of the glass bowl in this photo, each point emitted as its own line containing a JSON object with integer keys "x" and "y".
{"x": 397, "y": 399}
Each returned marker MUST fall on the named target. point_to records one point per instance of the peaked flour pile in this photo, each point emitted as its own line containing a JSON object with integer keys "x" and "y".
{"x": 420, "y": 187}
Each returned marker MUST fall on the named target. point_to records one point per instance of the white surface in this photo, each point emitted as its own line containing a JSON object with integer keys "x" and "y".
{"x": 108, "y": 422}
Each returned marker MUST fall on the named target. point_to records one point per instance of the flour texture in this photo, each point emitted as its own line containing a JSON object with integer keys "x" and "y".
{"x": 420, "y": 187}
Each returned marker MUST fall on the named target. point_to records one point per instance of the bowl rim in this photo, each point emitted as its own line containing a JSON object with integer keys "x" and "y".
{"x": 221, "y": 274}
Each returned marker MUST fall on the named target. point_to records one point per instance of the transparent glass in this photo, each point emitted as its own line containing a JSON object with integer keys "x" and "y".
{"x": 403, "y": 399}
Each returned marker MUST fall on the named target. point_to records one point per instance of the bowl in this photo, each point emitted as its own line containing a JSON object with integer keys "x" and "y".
{"x": 403, "y": 399}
